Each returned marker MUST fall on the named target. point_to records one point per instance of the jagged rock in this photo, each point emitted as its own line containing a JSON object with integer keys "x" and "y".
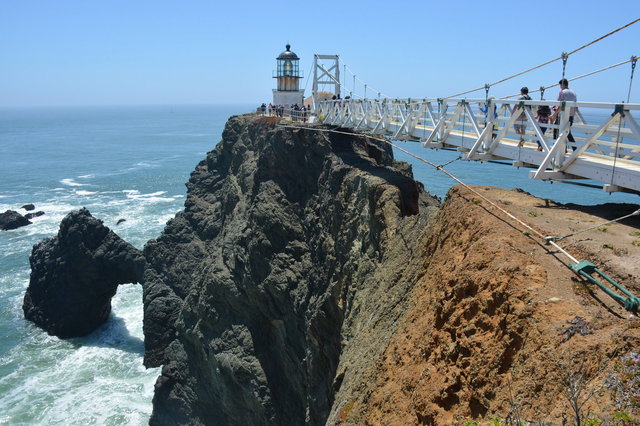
{"x": 32, "y": 215}
{"x": 75, "y": 274}
{"x": 11, "y": 220}
{"x": 253, "y": 291}
{"x": 28, "y": 207}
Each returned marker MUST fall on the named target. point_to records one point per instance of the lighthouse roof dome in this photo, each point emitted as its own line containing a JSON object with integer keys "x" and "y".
{"x": 288, "y": 54}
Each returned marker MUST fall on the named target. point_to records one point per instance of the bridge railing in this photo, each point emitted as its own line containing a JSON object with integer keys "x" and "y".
{"x": 606, "y": 136}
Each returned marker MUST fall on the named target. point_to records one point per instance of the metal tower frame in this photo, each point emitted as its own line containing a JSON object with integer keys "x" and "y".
{"x": 320, "y": 71}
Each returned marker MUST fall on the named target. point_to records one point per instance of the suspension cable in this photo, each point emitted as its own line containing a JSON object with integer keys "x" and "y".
{"x": 464, "y": 120}
{"x": 307, "y": 82}
{"x": 543, "y": 88}
{"x": 564, "y": 57}
{"x": 635, "y": 213}
{"x": 604, "y": 36}
{"x": 486, "y": 103}
{"x": 361, "y": 81}
{"x": 342, "y": 86}
{"x": 634, "y": 59}
{"x": 615, "y": 156}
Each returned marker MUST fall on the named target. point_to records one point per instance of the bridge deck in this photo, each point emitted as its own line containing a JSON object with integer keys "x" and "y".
{"x": 608, "y": 148}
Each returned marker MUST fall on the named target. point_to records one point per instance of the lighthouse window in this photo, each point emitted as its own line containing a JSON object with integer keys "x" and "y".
{"x": 287, "y": 68}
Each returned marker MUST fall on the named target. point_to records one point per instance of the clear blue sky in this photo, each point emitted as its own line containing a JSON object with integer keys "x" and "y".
{"x": 79, "y": 52}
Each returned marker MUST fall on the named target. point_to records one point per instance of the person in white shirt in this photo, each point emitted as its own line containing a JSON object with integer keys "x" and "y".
{"x": 565, "y": 94}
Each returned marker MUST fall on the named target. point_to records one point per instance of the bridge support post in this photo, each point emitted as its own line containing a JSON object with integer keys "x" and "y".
{"x": 320, "y": 71}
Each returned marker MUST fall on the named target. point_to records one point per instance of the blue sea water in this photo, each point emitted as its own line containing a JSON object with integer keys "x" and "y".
{"x": 130, "y": 163}
{"x": 119, "y": 162}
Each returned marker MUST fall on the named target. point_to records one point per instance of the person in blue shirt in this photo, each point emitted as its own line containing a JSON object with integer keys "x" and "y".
{"x": 485, "y": 110}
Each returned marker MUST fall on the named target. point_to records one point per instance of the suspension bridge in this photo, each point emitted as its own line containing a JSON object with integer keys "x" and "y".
{"x": 606, "y": 136}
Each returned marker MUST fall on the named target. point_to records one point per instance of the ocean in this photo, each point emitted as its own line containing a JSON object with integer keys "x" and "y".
{"x": 130, "y": 163}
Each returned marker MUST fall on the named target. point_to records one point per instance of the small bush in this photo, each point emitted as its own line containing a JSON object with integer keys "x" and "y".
{"x": 624, "y": 383}
{"x": 616, "y": 250}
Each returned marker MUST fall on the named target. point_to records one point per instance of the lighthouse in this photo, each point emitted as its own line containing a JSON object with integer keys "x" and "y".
{"x": 288, "y": 73}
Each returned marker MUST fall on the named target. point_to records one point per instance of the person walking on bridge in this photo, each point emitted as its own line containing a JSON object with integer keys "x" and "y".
{"x": 485, "y": 110}
{"x": 565, "y": 95}
{"x": 520, "y": 125}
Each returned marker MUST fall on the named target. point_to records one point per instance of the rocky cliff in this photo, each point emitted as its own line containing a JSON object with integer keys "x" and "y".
{"x": 288, "y": 243}
{"x": 310, "y": 280}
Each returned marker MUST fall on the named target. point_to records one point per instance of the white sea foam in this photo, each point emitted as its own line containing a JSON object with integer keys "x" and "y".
{"x": 81, "y": 192}
{"x": 71, "y": 182}
{"x": 151, "y": 197}
{"x": 99, "y": 378}
{"x": 89, "y": 176}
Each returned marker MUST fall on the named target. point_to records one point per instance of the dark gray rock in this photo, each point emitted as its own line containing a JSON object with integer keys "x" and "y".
{"x": 32, "y": 215}
{"x": 28, "y": 207}
{"x": 12, "y": 220}
{"x": 251, "y": 293}
{"x": 75, "y": 274}
{"x": 120, "y": 221}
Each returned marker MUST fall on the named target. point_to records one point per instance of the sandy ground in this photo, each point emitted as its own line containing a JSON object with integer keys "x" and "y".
{"x": 614, "y": 248}
{"x": 489, "y": 329}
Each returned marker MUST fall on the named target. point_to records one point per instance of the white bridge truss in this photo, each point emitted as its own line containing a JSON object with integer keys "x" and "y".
{"x": 607, "y": 142}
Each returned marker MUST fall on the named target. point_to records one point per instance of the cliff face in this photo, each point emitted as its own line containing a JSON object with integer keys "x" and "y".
{"x": 289, "y": 244}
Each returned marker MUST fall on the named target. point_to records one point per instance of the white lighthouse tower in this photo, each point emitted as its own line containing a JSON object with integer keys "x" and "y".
{"x": 288, "y": 73}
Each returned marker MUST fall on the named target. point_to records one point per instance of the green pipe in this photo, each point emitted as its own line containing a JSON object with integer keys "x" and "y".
{"x": 586, "y": 268}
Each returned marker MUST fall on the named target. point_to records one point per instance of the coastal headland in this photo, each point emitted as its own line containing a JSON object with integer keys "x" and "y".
{"x": 310, "y": 280}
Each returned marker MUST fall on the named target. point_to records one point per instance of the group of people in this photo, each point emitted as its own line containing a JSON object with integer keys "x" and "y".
{"x": 544, "y": 114}
{"x": 296, "y": 112}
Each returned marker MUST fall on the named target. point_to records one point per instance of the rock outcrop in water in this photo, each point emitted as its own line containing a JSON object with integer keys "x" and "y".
{"x": 289, "y": 242}
{"x": 75, "y": 274}
{"x": 12, "y": 220}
